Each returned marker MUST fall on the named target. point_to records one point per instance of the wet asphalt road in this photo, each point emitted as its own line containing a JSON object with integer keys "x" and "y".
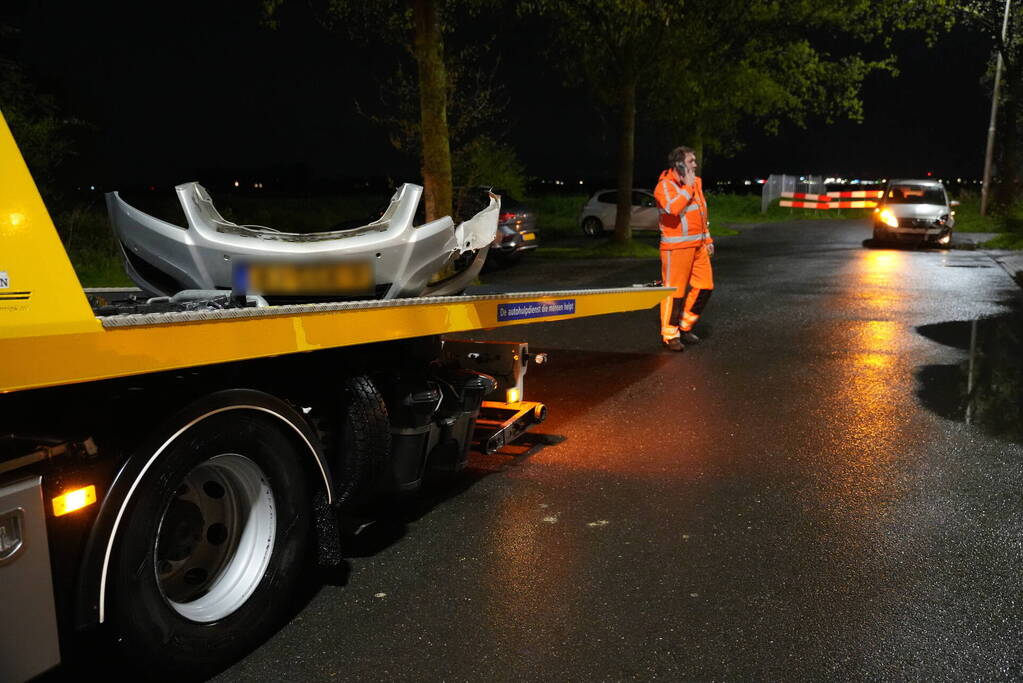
{"x": 783, "y": 502}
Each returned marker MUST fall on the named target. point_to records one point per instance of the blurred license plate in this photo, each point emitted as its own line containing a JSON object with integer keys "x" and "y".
{"x": 306, "y": 278}
{"x": 528, "y": 236}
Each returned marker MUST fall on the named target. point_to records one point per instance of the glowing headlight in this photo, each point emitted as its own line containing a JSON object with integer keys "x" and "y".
{"x": 889, "y": 219}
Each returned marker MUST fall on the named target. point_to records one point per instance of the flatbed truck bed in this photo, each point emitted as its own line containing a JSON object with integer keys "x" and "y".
{"x": 122, "y": 345}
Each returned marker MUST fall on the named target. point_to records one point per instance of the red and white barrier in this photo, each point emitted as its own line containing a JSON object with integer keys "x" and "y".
{"x": 828, "y": 205}
{"x": 856, "y": 194}
{"x": 803, "y": 195}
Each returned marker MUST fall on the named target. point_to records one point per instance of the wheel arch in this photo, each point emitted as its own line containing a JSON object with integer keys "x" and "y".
{"x": 92, "y": 589}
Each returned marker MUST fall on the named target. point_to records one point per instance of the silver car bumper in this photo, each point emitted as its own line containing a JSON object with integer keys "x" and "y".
{"x": 914, "y": 234}
{"x": 163, "y": 258}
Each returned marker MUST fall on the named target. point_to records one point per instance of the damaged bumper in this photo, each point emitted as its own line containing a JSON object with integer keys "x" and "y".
{"x": 402, "y": 259}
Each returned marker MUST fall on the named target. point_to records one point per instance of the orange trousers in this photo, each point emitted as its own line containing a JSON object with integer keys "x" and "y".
{"x": 681, "y": 268}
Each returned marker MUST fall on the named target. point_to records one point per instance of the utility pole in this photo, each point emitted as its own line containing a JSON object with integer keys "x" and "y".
{"x": 985, "y": 187}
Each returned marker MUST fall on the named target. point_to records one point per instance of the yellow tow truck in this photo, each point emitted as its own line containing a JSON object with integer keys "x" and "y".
{"x": 167, "y": 479}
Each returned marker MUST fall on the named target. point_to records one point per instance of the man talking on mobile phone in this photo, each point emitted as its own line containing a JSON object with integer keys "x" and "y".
{"x": 686, "y": 248}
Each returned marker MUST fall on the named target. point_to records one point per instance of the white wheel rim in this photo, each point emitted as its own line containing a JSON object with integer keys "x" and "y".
{"x": 215, "y": 538}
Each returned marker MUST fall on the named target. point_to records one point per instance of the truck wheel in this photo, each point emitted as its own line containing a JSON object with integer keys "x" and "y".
{"x": 361, "y": 442}
{"x": 213, "y": 546}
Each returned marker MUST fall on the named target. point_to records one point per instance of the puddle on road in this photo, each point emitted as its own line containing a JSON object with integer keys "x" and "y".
{"x": 986, "y": 389}
{"x": 965, "y": 265}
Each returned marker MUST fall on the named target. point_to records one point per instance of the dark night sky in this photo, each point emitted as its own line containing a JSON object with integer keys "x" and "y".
{"x": 188, "y": 90}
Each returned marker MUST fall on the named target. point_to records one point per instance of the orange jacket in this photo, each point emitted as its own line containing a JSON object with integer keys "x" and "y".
{"x": 683, "y": 210}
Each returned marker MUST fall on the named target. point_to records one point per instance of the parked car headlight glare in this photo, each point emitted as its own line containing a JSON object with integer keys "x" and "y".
{"x": 889, "y": 219}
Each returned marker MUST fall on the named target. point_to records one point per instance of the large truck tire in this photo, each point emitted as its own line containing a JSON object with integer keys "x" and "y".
{"x": 362, "y": 442}
{"x": 213, "y": 546}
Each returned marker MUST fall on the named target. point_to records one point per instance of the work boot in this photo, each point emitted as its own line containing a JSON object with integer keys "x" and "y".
{"x": 673, "y": 344}
{"x": 688, "y": 337}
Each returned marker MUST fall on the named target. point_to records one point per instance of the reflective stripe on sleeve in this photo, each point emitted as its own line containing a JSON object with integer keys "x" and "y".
{"x": 671, "y": 197}
{"x": 666, "y": 186}
{"x": 692, "y": 207}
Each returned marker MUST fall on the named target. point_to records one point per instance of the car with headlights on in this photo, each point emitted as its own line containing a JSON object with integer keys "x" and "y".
{"x": 914, "y": 211}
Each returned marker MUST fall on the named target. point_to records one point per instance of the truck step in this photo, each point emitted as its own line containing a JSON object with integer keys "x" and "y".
{"x": 501, "y": 423}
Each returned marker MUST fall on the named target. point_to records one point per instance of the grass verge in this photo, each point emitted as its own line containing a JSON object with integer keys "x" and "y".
{"x": 1007, "y": 240}
{"x": 968, "y": 218}
{"x": 604, "y": 249}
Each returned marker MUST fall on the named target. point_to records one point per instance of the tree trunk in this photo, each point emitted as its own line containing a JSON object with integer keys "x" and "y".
{"x": 1008, "y": 166}
{"x": 696, "y": 142}
{"x": 626, "y": 164}
{"x": 433, "y": 109}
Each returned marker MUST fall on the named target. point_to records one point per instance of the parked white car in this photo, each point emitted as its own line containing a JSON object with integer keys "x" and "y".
{"x": 598, "y": 214}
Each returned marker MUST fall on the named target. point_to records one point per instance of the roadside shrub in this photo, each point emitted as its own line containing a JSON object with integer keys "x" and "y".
{"x": 557, "y": 215}
{"x": 484, "y": 162}
{"x": 89, "y": 241}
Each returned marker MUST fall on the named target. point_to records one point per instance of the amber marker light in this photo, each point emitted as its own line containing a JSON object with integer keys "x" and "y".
{"x": 74, "y": 500}
{"x": 513, "y": 395}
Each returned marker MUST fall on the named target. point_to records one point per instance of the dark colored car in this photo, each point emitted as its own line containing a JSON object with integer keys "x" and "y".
{"x": 516, "y": 224}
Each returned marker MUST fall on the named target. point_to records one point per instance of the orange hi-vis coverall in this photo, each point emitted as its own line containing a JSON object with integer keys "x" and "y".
{"x": 684, "y": 256}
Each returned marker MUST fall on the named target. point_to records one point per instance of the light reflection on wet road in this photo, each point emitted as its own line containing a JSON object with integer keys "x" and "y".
{"x": 776, "y": 503}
